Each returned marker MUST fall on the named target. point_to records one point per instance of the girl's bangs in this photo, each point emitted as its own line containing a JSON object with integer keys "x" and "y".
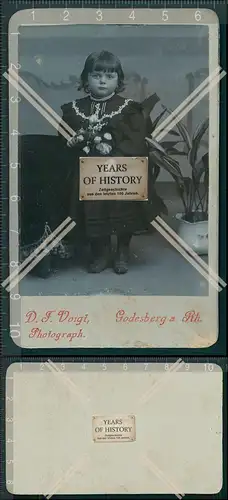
{"x": 107, "y": 66}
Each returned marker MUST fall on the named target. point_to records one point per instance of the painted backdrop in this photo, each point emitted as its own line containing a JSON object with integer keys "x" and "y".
{"x": 168, "y": 60}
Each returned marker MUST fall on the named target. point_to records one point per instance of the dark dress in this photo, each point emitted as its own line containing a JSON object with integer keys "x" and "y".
{"x": 128, "y": 129}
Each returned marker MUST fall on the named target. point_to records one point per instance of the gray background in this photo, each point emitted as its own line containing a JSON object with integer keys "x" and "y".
{"x": 168, "y": 60}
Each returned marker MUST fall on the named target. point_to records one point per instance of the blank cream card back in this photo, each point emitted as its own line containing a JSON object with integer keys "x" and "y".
{"x": 103, "y": 429}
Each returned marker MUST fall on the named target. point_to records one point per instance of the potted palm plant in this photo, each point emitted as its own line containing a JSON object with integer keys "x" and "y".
{"x": 193, "y": 189}
{"x": 159, "y": 155}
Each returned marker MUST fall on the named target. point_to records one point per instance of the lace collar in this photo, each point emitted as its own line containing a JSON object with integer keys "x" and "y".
{"x": 103, "y": 117}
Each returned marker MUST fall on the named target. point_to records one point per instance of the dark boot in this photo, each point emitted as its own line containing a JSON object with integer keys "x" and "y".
{"x": 44, "y": 268}
{"x": 122, "y": 254}
{"x": 100, "y": 250}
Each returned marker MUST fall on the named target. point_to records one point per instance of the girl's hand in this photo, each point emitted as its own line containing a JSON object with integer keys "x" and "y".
{"x": 72, "y": 141}
{"x": 76, "y": 139}
{"x": 104, "y": 144}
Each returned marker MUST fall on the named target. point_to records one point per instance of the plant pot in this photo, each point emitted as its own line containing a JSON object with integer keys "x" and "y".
{"x": 194, "y": 234}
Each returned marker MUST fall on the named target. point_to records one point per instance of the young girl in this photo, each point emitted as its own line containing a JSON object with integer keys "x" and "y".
{"x": 106, "y": 124}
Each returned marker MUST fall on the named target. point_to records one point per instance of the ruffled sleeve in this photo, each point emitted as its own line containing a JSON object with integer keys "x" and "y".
{"x": 66, "y": 118}
{"x": 130, "y": 131}
{"x": 70, "y": 118}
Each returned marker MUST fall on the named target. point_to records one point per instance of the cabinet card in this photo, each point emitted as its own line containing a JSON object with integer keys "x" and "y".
{"x": 122, "y": 271}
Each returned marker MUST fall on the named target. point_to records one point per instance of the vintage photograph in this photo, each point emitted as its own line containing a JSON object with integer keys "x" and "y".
{"x": 114, "y": 89}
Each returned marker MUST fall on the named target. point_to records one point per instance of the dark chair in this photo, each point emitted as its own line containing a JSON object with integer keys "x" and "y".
{"x": 45, "y": 175}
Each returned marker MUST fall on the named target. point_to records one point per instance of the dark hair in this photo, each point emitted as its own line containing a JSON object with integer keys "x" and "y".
{"x": 102, "y": 61}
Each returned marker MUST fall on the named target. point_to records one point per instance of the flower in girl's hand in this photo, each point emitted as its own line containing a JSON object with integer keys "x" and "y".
{"x": 86, "y": 149}
{"x": 104, "y": 148}
{"x": 81, "y": 135}
{"x": 107, "y": 136}
{"x": 97, "y": 139}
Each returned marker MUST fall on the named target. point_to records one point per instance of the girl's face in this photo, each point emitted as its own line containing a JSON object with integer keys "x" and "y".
{"x": 102, "y": 83}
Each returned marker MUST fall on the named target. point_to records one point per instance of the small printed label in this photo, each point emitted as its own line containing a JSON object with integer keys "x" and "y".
{"x": 110, "y": 178}
{"x": 113, "y": 429}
